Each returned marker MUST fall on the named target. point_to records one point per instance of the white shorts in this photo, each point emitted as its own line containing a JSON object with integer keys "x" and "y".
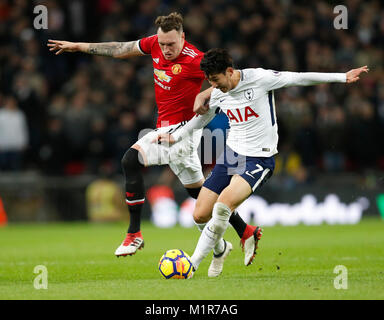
{"x": 181, "y": 157}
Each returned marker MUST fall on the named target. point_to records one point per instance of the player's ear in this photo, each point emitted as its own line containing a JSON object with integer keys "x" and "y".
{"x": 230, "y": 71}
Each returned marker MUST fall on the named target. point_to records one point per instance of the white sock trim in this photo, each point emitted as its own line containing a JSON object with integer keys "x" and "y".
{"x": 200, "y": 226}
{"x": 221, "y": 211}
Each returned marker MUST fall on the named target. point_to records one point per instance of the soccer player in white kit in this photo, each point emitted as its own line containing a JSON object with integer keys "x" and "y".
{"x": 246, "y": 97}
{"x": 177, "y": 81}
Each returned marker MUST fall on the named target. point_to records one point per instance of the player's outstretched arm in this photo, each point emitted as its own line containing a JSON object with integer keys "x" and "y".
{"x": 354, "y": 74}
{"x": 272, "y": 80}
{"x": 110, "y": 49}
{"x": 197, "y": 122}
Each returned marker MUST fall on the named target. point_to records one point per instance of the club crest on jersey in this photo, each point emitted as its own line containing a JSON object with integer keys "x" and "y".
{"x": 162, "y": 76}
{"x": 176, "y": 69}
{"x": 241, "y": 115}
{"x": 248, "y": 94}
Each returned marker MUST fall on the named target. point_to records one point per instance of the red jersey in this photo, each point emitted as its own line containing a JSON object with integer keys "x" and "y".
{"x": 177, "y": 82}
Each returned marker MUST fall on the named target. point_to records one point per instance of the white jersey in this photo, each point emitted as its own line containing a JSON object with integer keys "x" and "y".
{"x": 250, "y": 108}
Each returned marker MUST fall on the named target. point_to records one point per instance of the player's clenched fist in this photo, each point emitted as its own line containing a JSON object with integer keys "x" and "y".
{"x": 61, "y": 46}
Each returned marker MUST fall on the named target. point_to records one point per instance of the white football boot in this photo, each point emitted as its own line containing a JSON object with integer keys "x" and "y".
{"x": 192, "y": 273}
{"x": 217, "y": 264}
{"x": 131, "y": 243}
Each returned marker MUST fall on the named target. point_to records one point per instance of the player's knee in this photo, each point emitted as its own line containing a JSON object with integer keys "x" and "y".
{"x": 200, "y": 218}
{"x": 202, "y": 212}
{"x": 131, "y": 160}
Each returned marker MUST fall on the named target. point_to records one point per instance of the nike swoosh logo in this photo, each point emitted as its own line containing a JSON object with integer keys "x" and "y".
{"x": 221, "y": 100}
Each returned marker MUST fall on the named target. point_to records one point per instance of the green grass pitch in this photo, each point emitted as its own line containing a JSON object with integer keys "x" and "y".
{"x": 292, "y": 263}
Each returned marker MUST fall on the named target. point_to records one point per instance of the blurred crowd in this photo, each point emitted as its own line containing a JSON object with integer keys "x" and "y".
{"x": 76, "y": 113}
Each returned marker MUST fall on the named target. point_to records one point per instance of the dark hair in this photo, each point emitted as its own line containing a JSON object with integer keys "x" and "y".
{"x": 216, "y": 61}
{"x": 173, "y": 21}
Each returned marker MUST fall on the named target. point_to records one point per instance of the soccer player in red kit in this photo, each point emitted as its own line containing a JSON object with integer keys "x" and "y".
{"x": 177, "y": 80}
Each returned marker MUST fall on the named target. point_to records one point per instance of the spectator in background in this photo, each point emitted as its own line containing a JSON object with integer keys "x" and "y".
{"x": 77, "y": 122}
{"x": 332, "y": 134}
{"x": 362, "y": 136}
{"x": 306, "y": 144}
{"x": 98, "y": 103}
{"x": 53, "y": 152}
{"x": 97, "y": 148}
{"x": 58, "y": 106}
{"x": 301, "y": 37}
{"x": 122, "y": 137}
{"x": 13, "y": 135}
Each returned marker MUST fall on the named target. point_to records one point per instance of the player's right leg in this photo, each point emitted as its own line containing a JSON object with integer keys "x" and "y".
{"x": 203, "y": 210}
{"x": 186, "y": 165}
{"x": 132, "y": 165}
{"x": 143, "y": 153}
{"x": 212, "y": 233}
{"x": 202, "y": 214}
{"x": 209, "y": 241}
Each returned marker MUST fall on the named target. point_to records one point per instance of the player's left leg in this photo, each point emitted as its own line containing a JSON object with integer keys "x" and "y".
{"x": 143, "y": 153}
{"x": 190, "y": 172}
{"x": 222, "y": 248}
{"x": 257, "y": 171}
{"x": 232, "y": 196}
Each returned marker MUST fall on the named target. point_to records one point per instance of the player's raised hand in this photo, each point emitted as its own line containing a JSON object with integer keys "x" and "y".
{"x": 354, "y": 74}
{"x": 62, "y": 46}
{"x": 164, "y": 138}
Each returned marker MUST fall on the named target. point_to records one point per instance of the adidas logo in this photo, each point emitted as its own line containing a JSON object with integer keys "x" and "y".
{"x": 156, "y": 60}
{"x": 189, "y": 52}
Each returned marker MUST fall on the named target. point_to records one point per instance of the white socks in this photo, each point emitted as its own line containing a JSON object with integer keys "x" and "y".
{"x": 212, "y": 233}
{"x": 219, "y": 247}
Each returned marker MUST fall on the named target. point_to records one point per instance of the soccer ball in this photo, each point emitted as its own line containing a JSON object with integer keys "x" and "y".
{"x": 175, "y": 264}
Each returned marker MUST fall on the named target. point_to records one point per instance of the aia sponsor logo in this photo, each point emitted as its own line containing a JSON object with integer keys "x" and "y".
{"x": 241, "y": 115}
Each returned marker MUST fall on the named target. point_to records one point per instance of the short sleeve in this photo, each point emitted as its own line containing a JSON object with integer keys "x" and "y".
{"x": 146, "y": 44}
